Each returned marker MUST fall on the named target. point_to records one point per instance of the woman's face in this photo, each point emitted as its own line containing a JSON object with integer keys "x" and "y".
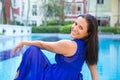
{"x": 79, "y": 28}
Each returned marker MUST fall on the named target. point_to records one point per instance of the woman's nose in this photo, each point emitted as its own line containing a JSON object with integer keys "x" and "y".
{"x": 74, "y": 28}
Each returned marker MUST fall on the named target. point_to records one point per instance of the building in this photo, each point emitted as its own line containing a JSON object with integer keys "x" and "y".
{"x": 35, "y": 12}
{"x": 73, "y": 8}
{"x": 9, "y": 11}
{"x": 32, "y": 12}
{"x": 118, "y": 13}
{"x": 15, "y": 10}
{"x": 24, "y": 12}
{"x": 106, "y": 11}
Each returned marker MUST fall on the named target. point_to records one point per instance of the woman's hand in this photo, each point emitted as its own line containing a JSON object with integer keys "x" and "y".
{"x": 18, "y": 48}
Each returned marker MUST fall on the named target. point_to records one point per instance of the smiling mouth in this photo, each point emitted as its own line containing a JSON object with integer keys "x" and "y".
{"x": 73, "y": 33}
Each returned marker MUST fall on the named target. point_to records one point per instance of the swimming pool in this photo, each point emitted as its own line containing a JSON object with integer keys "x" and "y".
{"x": 108, "y": 65}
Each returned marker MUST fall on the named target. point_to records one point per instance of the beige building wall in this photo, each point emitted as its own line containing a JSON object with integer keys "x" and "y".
{"x": 119, "y": 12}
{"x": 107, "y": 10}
{"x": 114, "y": 12}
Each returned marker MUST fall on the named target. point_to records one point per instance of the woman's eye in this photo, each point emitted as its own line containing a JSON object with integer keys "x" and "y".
{"x": 80, "y": 27}
{"x": 75, "y": 23}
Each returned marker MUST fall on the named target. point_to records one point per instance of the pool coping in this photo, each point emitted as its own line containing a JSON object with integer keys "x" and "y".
{"x": 109, "y": 36}
{"x": 100, "y": 35}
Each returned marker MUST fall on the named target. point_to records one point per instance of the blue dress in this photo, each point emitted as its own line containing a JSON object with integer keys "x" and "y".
{"x": 36, "y": 66}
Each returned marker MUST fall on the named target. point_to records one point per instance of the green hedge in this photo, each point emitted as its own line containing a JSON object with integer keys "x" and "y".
{"x": 115, "y": 30}
{"x": 52, "y": 29}
{"x": 48, "y": 29}
{"x": 66, "y": 29}
{"x": 67, "y": 22}
{"x": 52, "y": 23}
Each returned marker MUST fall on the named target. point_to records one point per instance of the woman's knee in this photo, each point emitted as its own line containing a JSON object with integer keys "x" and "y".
{"x": 32, "y": 50}
{"x": 34, "y": 53}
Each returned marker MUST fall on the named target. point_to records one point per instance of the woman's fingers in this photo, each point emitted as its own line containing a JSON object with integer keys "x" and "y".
{"x": 14, "y": 50}
{"x": 18, "y": 48}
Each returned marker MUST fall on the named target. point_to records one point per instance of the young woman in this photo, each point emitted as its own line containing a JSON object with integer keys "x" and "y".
{"x": 70, "y": 54}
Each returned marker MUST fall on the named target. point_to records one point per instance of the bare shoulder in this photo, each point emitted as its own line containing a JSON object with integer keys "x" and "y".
{"x": 69, "y": 47}
{"x": 67, "y": 42}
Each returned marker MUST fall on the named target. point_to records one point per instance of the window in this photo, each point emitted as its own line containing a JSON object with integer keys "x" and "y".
{"x": 15, "y": 4}
{"x": 79, "y": 9}
{"x": 100, "y": 1}
{"x": 68, "y": 8}
{"x": 34, "y": 23}
{"x": 68, "y": 0}
{"x": 34, "y": 10}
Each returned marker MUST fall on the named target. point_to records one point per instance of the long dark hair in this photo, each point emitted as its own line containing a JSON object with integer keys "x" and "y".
{"x": 91, "y": 40}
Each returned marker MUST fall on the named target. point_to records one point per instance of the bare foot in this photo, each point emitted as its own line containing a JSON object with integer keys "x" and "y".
{"x": 17, "y": 74}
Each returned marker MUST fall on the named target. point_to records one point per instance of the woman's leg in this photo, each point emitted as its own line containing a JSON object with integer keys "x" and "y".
{"x": 32, "y": 65}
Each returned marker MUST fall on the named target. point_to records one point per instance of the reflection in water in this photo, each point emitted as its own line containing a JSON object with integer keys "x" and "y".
{"x": 9, "y": 42}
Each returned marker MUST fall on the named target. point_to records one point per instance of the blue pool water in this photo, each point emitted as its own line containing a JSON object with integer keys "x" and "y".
{"x": 108, "y": 65}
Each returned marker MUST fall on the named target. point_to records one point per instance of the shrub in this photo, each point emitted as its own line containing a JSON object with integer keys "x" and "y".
{"x": 48, "y": 29}
{"x": 66, "y": 29}
{"x": 52, "y": 23}
{"x": 67, "y": 22}
{"x": 115, "y": 30}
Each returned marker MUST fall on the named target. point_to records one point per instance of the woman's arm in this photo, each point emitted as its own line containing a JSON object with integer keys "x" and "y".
{"x": 65, "y": 47}
{"x": 93, "y": 71}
